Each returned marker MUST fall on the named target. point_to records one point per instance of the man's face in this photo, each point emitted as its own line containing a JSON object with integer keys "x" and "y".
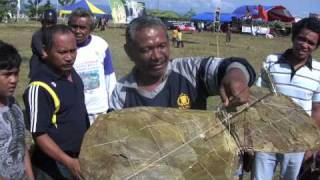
{"x": 304, "y": 44}
{"x": 63, "y": 52}
{"x": 81, "y": 27}
{"x": 8, "y": 81}
{"x": 150, "y": 51}
{"x": 47, "y": 24}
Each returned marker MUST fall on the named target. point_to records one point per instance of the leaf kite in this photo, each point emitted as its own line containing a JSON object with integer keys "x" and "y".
{"x": 166, "y": 143}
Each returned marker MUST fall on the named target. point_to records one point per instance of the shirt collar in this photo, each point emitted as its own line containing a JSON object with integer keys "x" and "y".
{"x": 85, "y": 43}
{"x": 49, "y": 71}
{"x": 284, "y": 59}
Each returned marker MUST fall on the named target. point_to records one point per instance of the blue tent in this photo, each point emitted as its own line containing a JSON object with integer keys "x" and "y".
{"x": 210, "y": 16}
{"x": 85, "y": 4}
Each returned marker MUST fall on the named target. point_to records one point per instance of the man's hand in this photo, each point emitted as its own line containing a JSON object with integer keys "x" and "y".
{"x": 316, "y": 113}
{"x": 73, "y": 165}
{"x": 234, "y": 90}
{"x": 49, "y": 147}
{"x": 308, "y": 156}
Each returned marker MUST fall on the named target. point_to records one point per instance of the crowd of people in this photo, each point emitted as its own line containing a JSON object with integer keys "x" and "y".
{"x": 72, "y": 81}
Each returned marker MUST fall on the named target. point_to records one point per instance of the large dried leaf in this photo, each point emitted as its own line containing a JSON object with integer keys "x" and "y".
{"x": 164, "y": 143}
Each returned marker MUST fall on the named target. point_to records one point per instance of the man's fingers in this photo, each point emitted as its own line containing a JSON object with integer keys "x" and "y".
{"x": 223, "y": 96}
{"x": 240, "y": 93}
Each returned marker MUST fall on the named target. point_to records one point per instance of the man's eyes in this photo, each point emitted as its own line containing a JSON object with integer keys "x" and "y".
{"x": 162, "y": 46}
{"x": 302, "y": 39}
{"x": 67, "y": 51}
{"x": 80, "y": 27}
{"x": 146, "y": 50}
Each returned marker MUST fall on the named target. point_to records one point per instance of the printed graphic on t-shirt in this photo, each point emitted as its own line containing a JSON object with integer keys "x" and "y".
{"x": 12, "y": 144}
{"x": 90, "y": 79}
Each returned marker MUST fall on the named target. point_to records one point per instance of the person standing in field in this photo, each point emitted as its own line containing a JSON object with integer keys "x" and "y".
{"x": 55, "y": 108}
{"x": 174, "y": 37}
{"x": 48, "y": 18}
{"x": 93, "y": 63}
{"x": 184, "y": 83}
{"x": 228, "y": 33}
{"x": 14, "y": 155}
{"x": 295, "y": 74}
{"x": 179, "y": 39}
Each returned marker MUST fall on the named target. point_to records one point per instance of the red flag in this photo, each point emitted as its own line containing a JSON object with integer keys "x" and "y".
{"x": 262, "y": 13}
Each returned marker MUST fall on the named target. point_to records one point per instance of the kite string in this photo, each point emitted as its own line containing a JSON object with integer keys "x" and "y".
{"x": 192, "y": 139}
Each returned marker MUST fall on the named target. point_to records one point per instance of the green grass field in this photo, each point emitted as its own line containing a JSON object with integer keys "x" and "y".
{"x": 196, "y": 44}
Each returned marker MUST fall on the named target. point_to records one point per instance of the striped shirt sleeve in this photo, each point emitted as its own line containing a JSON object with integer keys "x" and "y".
{"x": 39, "y": 109}
{"x": 316, "y": 96}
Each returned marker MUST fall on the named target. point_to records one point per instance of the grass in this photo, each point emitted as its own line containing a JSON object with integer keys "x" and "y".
{"x": 196, "y": 44}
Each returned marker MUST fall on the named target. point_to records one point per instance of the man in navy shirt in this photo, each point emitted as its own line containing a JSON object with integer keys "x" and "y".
{"x": 183, "y": 83}
{"x": 48, "y": 18}
{"x": 57, "y": 140}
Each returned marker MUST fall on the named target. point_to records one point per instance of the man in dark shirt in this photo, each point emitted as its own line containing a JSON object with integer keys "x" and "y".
{"x": 184, "y": 83}
{"x": 57, "y": 130}
{"x": 48, "y": 18}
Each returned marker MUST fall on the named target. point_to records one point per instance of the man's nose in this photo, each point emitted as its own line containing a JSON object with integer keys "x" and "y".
{"x": 156, "y": 54}
{"x": 13, "y": 78}
{"x": 76, "y": 28}
{"x": 69, "y": 56}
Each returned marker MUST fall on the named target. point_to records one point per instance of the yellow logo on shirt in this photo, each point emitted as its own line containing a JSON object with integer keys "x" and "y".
{"x": 183, "y": 101}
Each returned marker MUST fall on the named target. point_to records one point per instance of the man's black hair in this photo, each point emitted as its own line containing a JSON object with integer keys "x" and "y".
{"x": 47, "y": 38}
{"x": 141, "y": 23}
{"x": 49, "y": 16}
{"x": 81, "y": 12}
{"x": 310, "y": 23}
{"x": 9, "y": 57}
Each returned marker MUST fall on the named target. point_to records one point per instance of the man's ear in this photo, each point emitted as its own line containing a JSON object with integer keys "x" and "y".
{"x": 44, "y": 54}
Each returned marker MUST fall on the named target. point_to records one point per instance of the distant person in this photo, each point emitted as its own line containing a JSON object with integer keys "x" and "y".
{"x": 179, "y": 39}
{"x": 93, "y": 63}
{"x": 48, "y": 18}
{"x": 202, "y": 26}
{"x": 295, "y": 74}
{"x": 199, "y": 26}
{"x": 14, "y": 155}
{"x": 103, "y": 23}
{"x": 185, "y": 83}
{"x": 228, "y": 33}
{"x": 174, "y": 37}
{"x": 253, "y": 30}
{"x": 55, "y": 108}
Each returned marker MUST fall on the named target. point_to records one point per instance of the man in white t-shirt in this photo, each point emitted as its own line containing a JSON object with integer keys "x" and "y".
{"x": 297, "y": 75}
{"x": 93, "y": 64}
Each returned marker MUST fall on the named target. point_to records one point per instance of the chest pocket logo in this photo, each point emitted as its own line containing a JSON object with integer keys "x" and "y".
{"x": 183, "y": 101}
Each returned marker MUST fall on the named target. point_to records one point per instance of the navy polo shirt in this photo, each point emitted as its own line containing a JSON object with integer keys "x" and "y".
{"x": 186, "y": 84}
{"x": 72, "y": 117}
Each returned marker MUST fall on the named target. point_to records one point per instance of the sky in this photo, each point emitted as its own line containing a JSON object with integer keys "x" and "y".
{"x": 300, "y": 8}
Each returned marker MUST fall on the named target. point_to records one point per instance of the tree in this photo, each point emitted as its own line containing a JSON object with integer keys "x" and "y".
{"x": 66, "y": 2}
{"x": 7, "y": 8}
{"x": 190, "y": 13}
{"x": 163, "y": 14}
{"x": 35, "y": 9}
{"x": 46, "y": 6}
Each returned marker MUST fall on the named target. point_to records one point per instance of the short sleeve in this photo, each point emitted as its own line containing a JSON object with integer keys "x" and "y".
{"x": 39, "y": 109}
